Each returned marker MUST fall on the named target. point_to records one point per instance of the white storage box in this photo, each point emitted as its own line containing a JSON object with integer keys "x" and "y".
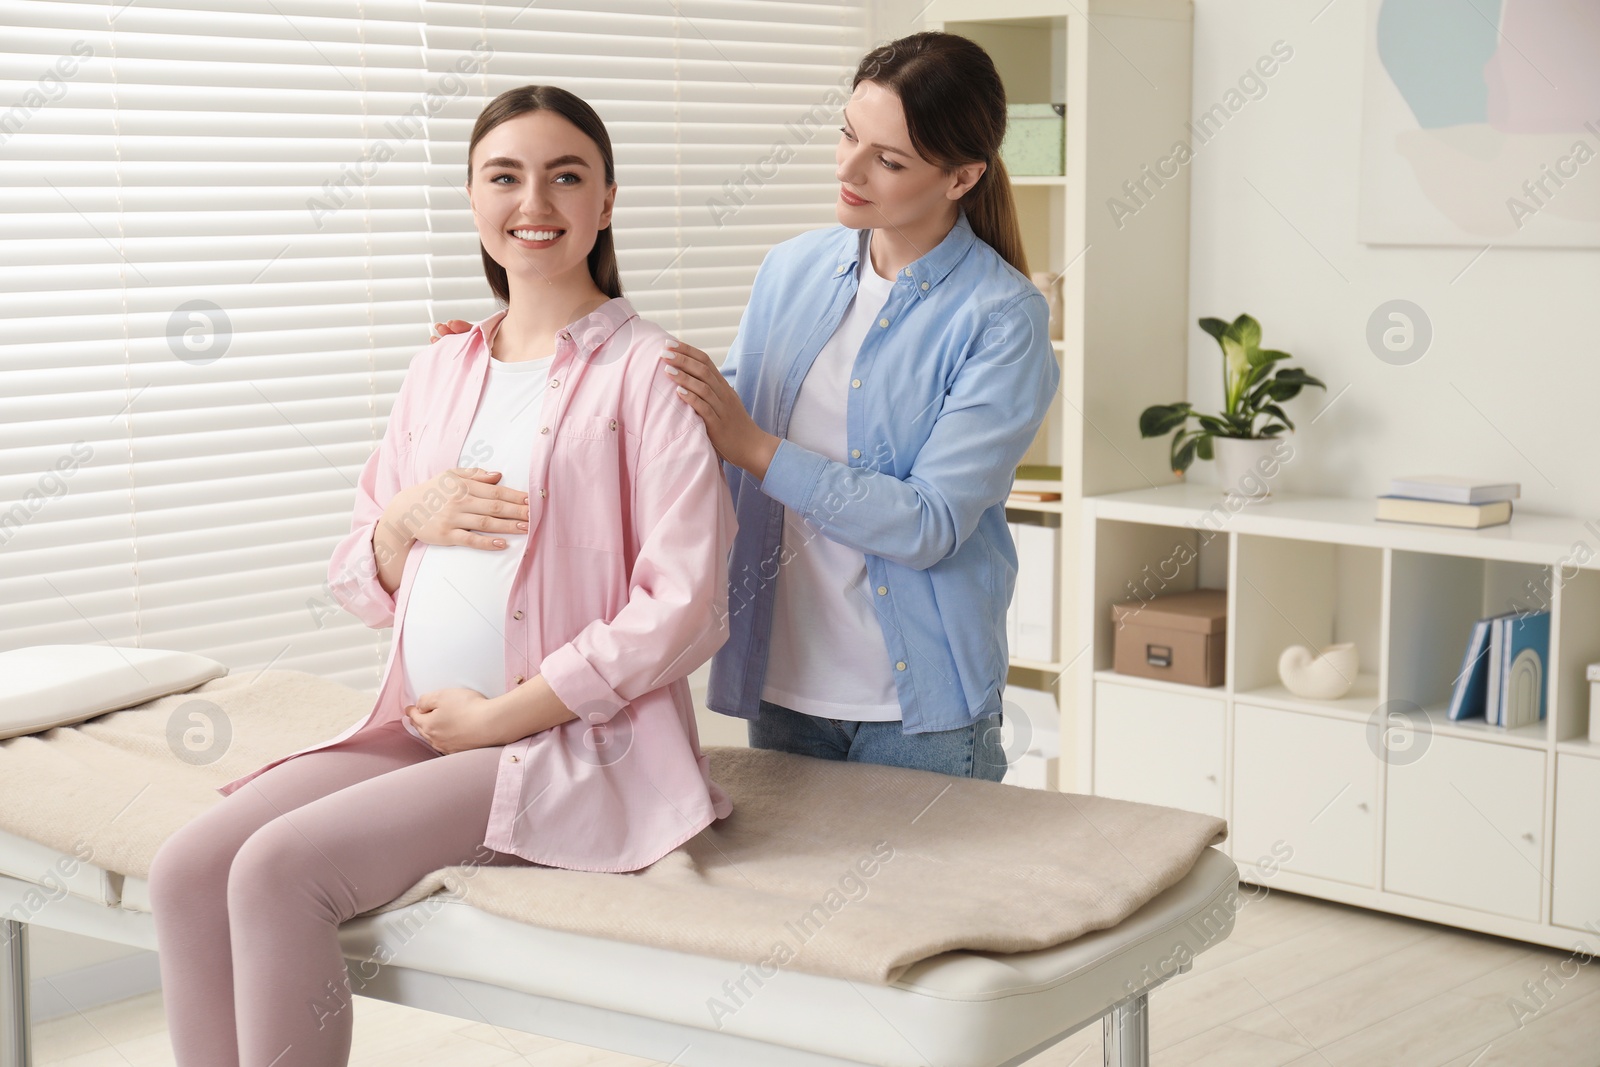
{"x": 1594, "y": 703}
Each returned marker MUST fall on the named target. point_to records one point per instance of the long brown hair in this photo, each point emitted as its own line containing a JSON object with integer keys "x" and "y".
{"x": 955, "y": 106}
{"x": 520, "y": 101}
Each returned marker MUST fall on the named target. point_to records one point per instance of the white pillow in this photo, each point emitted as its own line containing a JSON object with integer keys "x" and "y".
{"x": 57, "y": 685}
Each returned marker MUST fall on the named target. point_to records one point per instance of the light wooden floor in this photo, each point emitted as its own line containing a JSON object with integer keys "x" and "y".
{"x": 1300, "y": 982}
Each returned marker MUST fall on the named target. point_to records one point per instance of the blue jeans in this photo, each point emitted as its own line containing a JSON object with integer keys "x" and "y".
{"x": 972, "y": 751}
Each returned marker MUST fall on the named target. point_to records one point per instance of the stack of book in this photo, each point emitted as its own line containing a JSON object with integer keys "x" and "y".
{"x": 1036, "y": 484}
{"x": 1448, "y": 500}
{"x": 1502, "y": 679}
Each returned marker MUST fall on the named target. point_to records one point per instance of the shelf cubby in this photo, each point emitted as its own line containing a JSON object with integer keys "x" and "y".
{"x": 1311, "y": 593}
{"x": 1142, "y": 561}
{"x": 1577, "y": 638}
{"x": 1434, "y": 601}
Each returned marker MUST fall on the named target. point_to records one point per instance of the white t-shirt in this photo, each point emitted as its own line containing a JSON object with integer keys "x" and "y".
{"x": 455, "y": 615}
{"x": 828, "y": 655}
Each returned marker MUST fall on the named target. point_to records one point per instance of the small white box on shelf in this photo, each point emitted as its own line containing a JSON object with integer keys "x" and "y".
{"x": 1594, "y": 703}
{"x": 1037, "y": 594}
{"x": 1035, "y": 770}
{"x": 1033, "y": 738}
{"x": 1011, "y": 608}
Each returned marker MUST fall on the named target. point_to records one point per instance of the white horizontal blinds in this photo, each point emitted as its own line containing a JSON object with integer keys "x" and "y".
{"x": 721, "y": 115}
{"x": 66, "y": 550}
{"x": 225, "y": 232}
{"x": 458, "y": 53}
{"x": 228, "y": 262}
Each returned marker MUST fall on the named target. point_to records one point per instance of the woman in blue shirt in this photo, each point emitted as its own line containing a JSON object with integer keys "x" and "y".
{"x": 888, "y": 375}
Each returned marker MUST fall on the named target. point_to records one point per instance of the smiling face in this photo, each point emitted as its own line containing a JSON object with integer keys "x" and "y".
{"x": 882, "y": 180}
{"x": 539, "y": 195}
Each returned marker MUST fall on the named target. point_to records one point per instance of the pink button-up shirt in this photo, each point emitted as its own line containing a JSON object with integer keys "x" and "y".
{"x": 621, "y": 591}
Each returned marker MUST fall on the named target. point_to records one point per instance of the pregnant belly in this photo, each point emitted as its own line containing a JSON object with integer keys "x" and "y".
{"x": 452, "y": 636}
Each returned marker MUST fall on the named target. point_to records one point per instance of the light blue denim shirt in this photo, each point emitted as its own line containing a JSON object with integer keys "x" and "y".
{"x": 946, "y": 394}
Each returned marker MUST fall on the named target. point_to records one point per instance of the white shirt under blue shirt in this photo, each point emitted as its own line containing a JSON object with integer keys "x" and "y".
{"x": 828, "y": 654}
{"x": 946, "y": 393}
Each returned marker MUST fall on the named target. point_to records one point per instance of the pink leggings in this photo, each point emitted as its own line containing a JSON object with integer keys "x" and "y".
{"x": 248, "y": 896}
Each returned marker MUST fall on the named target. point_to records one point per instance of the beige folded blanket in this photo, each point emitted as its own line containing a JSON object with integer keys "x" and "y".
{"x": 841, "y": 869}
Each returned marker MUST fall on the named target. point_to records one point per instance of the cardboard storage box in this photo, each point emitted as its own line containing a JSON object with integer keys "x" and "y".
{"x": 1180, "y": 637}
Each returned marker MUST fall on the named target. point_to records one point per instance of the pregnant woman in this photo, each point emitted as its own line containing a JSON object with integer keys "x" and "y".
{"x": 888, "y": 375}
{"x": 534, "y": 710}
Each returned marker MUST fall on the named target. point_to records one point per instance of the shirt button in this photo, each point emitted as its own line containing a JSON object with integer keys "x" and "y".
{"x": 883, "y": 590}
{"x": 855, "y": 383}
{"x": 520, "y": 679}
{"x": 544, "y": 429}
{"x": 613, "y": 424}
{"x": 515, "y": 758}
{"x": 900, "y": 666}
{"x": 883, "y": 322}
{"x": 554, "y": 382}
{"x": 924, "y": 285}
{"x": 541, "y": 494}
{"x": 855, "y": 453}
{"x": 908, "y": 272}
{"x": 518, "y": 615}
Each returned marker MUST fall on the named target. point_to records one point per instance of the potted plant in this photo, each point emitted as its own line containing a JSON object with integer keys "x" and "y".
{"x": 1254, "y": 387}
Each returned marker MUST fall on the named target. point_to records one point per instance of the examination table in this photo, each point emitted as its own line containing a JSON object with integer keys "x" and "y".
{"x": 1006, "y": 919}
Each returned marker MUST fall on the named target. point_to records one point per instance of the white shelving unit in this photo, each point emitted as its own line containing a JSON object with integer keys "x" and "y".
{"x": 1122, "y": 68}
{"x": 1374, "y": 799}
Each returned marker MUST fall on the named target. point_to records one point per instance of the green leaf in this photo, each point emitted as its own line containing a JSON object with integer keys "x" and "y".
{"x": 1238, "y": 361}
{"x": 1258, "y": 371}
{"x": 1272, "y": 431}
{"x": 1213, "y": 424}
{"x": 1276, "y": 412}
{"x": 1247, "y": 331}
{"x": 1263, "y": 356}
{"x": 1298, "y": 376}
{"x": 1215, "y": 327}
{"x": 1159, "y": 419}
{"x": 1203, "y": 446}
{"x": 1184, "y": 456}
{"x": 1260, "y": 394}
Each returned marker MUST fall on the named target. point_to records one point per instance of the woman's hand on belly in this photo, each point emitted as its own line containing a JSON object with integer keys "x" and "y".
{"x": 456, "y": 720}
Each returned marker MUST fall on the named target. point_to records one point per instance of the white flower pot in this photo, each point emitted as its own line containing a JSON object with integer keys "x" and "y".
{"x": 1246, "y": 465}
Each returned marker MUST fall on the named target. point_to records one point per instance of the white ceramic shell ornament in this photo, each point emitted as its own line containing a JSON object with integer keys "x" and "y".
{"x": 1328, "y": 676}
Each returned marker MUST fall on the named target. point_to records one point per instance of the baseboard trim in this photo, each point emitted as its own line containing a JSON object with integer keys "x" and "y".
{"x": 89, "y": 987}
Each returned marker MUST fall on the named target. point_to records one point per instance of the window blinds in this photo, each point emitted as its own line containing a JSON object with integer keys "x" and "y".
{"x": 226, "y": 233}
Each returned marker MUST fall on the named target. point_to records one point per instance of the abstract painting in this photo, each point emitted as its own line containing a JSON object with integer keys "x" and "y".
{"x": 1481, "y": 123}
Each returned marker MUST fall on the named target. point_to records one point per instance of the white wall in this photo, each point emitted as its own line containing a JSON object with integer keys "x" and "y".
{"x": 1509, "y": 384}
{"x": 70, "y": 973}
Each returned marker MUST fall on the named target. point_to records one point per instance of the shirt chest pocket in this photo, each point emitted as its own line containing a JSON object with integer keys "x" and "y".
{"x": 586, "y": 481}
{"x": 409, "y": 447}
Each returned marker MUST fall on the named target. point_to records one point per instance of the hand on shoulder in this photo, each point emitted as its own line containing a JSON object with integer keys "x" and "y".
{"x": 442, "y": 329}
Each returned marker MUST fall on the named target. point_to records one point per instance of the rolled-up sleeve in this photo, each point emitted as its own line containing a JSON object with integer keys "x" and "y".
{"x": 988, "y": 420}
{"x": 676, "y": 613}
